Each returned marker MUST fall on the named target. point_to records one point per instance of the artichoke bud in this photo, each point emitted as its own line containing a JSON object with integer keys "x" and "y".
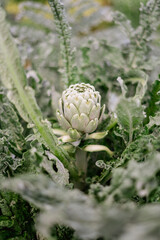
{"x": 80, "y": 110}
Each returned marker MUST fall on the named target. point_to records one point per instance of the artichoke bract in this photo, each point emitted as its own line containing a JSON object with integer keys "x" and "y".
{"x": 80, "y": 110}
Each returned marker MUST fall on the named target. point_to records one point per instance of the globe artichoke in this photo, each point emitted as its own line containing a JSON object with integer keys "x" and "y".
{"x": 80, "y": 110}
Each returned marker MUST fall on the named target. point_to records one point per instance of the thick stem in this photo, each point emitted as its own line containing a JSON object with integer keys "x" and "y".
{"x": 81, "y": 161}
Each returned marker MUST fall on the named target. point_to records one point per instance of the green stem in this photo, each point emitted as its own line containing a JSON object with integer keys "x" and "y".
{"x": 106, "y": 176}
{"x": 81, "y": 161}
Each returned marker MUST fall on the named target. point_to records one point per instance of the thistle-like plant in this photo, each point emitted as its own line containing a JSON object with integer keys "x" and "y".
{"x": 79, "y": 114}
{"x": 80, "y": 110}
{"x": 118, "y": 187}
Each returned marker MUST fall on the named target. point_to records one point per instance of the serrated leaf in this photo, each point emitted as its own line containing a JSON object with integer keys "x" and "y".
{"x": 141, "y": 148}
{"x": 9, "y": 121}
{"x": 130, "y": 115}
{"x": 137, "y": 178}
{"x": 12, "y": 142}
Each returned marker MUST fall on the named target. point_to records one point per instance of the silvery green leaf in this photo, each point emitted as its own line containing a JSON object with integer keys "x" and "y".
{"x": 60, "y": 177}
{"x": 89, "y": 219}
{"x": 130, "y": 115}
{"x": 72, "y": 208}
{"x": 14, "y": 79}
{"x": 141, "y": 84}
{"x": 113, "y": 99}
{"x": 154, "y": 120}
{"x": 123, "y": 86}
{"x": 138, "y": 178}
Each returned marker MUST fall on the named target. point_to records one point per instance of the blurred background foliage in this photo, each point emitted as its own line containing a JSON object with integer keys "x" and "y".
{"x": 94, "y": 36}
{"x": 128, "y": 7}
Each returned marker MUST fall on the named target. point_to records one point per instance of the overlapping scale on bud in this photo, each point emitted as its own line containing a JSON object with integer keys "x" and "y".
{"x": 80, "y": 110}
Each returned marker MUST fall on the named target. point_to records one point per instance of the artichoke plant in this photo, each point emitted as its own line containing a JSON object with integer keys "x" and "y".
{"x": 80, "y": 110}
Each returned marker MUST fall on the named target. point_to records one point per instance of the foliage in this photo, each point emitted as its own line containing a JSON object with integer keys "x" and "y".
{"x": 153, "y": 106}
{"x": 83, "y": 214}
{"x": 131, "y": 117}
{"x": 64, "y": 33}
{"x": 35, "y": 19}
{"x": 130, "y": 8}
{"x": 52, "y": 188}
{"x": 13, "y": 78}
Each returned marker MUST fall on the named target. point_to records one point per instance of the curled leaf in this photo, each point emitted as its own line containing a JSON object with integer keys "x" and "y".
{"x": 97, "y": 135}
{"x": 97, "y": 148}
